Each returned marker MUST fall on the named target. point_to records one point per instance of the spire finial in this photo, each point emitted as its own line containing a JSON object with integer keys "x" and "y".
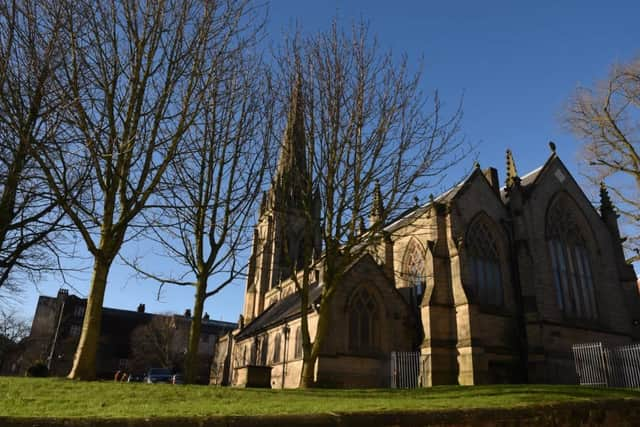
{"x": 512, "y": 173}
{"x": 263, "y": 203}
{"x": 377, "y": 209}
{"x": 361, "y": 226}
{"x": 606, "y": 206}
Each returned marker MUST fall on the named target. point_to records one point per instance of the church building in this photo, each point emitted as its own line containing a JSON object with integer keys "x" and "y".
{"x": 487, "y": 284}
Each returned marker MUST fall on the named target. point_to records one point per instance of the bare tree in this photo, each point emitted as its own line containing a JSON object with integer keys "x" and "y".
{"x": 371, "y": 135}
{"x": 210, "y": 192}
{"x": 13, "y": 329}
{"x": 31, "y": 48}
{"x": 607, "y": 118}
{"x": 137, "y": 75}
{"x": 12, "y": 326}
{"x": 156, "y": 344}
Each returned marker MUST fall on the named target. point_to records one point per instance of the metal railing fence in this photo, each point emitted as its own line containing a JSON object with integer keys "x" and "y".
{"x": 408, "y": 369}
{"x": 597, "y": 365}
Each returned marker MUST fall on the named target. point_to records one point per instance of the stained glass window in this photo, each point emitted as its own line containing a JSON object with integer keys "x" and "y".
{"x": 484, "y": 260}
{"x": 414, "y": 269}
{"x": 276, "y": 348}
{"x": 570, "y": 261}
{"x": 298, "y": 344}
{"x": 362, "y": 327}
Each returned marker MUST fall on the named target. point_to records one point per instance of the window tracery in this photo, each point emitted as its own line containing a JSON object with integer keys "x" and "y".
{"x": 362, "y": 322}
{"x": 570, "y": 262}
{"x": 414, "y": 269}
{"x": 484, "y": 259}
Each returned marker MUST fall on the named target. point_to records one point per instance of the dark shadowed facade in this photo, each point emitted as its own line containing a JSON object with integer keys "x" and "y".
{"x": 489, "y": 284}
{"x": 57, "y": 325}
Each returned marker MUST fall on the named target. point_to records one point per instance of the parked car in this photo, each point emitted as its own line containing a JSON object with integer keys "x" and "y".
{"x": 158, "y": 375}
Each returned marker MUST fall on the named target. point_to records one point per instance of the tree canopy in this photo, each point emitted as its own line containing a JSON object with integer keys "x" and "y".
{"x": 606, "y": 117}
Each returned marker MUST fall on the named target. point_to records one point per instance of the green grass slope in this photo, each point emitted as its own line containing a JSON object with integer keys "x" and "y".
{"x": 31, "y": 397}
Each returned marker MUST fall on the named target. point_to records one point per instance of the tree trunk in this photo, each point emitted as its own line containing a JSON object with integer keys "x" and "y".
{"x": 308, "y": 370}
{"x": 310, "y": 358}
{"x": 84, "y": 361}
{"x": 191, "y": 360}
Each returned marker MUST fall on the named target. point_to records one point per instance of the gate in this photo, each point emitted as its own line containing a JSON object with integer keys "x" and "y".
{"x": 591, "y": 366}
{"x": 407, "y": 369}
{"x": 624, "y": 363}
{"x": 597, "y": 365}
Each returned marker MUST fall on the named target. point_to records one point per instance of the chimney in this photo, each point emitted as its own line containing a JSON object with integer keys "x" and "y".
{"x": 63, "y": 293}
{"x": 141, "y": 308}
{"x": 492, "y": 176}
{"x": 205, "y": 317}
{"x": 187, "y": 313}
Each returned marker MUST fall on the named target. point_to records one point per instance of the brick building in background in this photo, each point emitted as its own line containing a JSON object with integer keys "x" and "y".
{"x": 57, "y": 325}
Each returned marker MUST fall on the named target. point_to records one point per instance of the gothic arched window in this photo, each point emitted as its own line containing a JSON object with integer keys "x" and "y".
{"x": 264, "y": 350}
{"x": 413, "y": 269}
{"x": 570, "y": 261}
{"x": 485, "y": 286}
{"x": 276, "y": 348}
{"x": 362, "y": 322}
{"x": 297, "y": 353}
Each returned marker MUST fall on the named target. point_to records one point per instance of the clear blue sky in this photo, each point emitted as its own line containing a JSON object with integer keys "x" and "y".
{"x": 515, "y": 62}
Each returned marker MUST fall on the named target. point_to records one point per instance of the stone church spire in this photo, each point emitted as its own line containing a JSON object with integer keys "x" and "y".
{"x": 292, "y": 175}
{"x": 278, "y": 247}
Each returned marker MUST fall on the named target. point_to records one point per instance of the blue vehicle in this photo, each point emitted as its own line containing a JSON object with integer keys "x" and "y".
{"x": 158, "y": 375}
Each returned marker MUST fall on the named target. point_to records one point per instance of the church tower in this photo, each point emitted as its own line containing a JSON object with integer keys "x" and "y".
{"x": 284, "y": 212}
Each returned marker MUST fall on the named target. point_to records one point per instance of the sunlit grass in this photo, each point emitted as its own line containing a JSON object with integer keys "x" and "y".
{"x": 31, "y": 397}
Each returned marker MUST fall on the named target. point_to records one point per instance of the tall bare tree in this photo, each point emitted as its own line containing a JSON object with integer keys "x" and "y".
{"x": 607, "y": 118}
{"x": 137, "y": 74}
{"x": 210, "y": 192}
{"x": 372, "y": 135}
{"x": 156, "y": 344}
{"x": 31, "y": 49}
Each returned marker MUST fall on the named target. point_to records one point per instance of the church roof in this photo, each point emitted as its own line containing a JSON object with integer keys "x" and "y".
{"x": 530, "y": 178}
{"x": 415, "y": 211}
{"x": 526, "y": 181}
{"x": 285, "y": 309}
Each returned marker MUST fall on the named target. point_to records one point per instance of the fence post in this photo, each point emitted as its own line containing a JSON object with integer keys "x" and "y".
{"x": 393, "y": 372}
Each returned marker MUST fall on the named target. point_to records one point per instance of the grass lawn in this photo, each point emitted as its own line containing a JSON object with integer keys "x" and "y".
{"x": 53, "y": 397}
